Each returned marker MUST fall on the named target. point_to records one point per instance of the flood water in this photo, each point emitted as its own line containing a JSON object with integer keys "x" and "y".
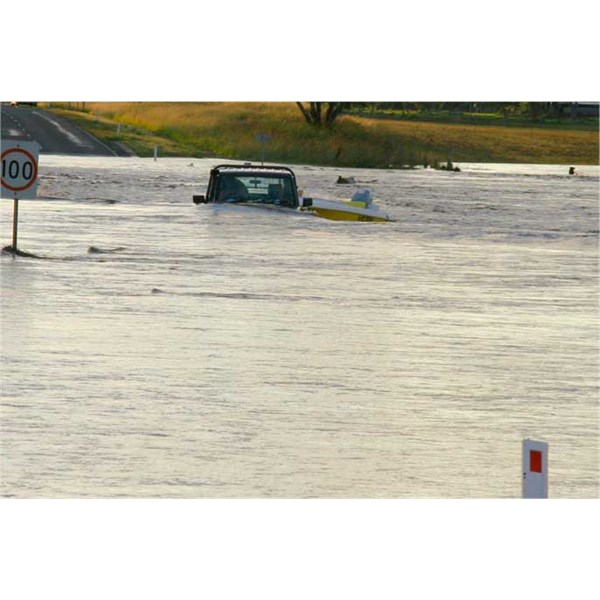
{"x": 166, "y": 350}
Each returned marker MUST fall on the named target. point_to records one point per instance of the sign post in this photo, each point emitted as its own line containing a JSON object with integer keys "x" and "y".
{"x": 535, "y": 469}
{"x": 263, "y": 138}
{"x": 19, "y": 176}
{"x": 15, "y": 230}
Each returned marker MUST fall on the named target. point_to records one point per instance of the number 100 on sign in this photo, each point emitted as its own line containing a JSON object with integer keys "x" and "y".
{"x": 19, "y": 170}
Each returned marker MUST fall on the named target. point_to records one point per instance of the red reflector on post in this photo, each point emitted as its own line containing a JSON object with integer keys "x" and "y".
{"x": 535, "y": 461}
{"x": 535, "y": 469}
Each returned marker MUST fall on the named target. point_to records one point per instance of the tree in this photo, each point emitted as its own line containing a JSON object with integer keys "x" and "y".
{"x": 314, "y": 112}
{"x": 537, "y": 110}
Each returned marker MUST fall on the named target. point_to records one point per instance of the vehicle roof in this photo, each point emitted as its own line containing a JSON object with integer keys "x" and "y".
{"x": 256, "y": 169}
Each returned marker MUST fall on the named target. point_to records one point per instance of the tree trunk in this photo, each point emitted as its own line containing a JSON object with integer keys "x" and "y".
{"x": 333, "y": 110}
{"x": 313, "y": 114}
{"x": 304, "y": 112}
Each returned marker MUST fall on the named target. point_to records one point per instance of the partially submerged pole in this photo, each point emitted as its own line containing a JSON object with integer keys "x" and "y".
{"x": 535, "y": 469}
{"x": 15, "y": 224}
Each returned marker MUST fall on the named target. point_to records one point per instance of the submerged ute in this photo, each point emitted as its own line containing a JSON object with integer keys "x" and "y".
{"x": 275, "y": 187}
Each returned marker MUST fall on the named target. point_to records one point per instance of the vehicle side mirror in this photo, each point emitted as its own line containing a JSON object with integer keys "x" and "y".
{"x": 200, "y": 199}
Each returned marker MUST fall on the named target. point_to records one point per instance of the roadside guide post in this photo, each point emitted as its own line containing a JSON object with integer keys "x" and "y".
{"x": 535, "y": 469}
{"x": 19, "y": 176}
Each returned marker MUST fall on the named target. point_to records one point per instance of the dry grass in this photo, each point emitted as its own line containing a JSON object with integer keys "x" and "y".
{"x": 230, "y": 129}
{"x": 498, "y": 144}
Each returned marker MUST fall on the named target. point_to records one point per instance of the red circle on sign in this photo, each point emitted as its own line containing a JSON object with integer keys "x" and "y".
{"x": 33, "y": 176}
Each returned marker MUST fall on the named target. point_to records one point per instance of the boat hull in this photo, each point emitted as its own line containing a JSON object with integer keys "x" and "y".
{"x": 342, "y": 215}
{"x": 346, "y": 211}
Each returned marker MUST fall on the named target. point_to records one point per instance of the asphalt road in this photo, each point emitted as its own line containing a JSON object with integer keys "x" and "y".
{"x": 54, "y": 134}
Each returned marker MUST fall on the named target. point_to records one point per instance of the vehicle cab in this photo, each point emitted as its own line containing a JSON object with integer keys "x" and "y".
{"x": 251, "y": 184}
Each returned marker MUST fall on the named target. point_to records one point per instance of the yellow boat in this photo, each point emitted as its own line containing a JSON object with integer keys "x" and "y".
{"x": 340, "y": 210}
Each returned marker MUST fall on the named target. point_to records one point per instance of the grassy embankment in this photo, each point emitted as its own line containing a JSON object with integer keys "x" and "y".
{"x": 230, "y": 130}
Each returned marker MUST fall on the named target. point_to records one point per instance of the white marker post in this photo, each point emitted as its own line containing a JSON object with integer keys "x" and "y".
{"x": 535, "y": 469}
{"x": 19, "y": 176}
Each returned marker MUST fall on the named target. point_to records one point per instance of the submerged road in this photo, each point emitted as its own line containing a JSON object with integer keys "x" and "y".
{"x": 54, "y": 134}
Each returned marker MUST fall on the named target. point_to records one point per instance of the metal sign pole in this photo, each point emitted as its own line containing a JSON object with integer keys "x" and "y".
{"x": 15, "y": 225}
{"x": 263, "y": 138}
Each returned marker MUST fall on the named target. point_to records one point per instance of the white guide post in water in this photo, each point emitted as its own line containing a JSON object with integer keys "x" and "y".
{"x": 535, "y": 469}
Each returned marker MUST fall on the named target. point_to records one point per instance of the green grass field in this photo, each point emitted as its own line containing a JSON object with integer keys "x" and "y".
{"x": 231, "y": 129}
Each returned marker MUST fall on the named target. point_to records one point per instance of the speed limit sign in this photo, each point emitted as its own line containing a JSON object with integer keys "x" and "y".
{"x": 19, "y": 169}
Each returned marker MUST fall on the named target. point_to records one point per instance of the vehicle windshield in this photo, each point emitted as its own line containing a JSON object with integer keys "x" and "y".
{"x": 260, "y": 188}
